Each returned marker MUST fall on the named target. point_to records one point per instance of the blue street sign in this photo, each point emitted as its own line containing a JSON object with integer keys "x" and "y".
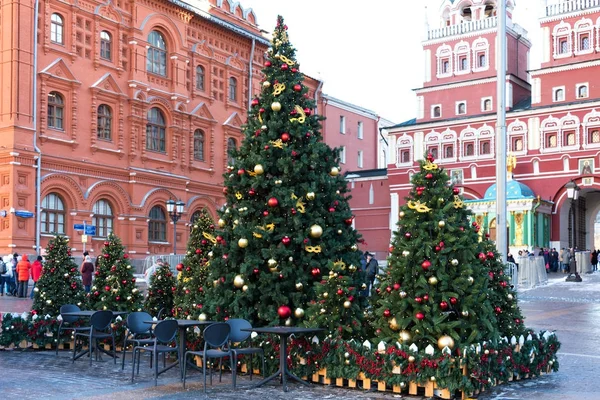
{"x": 78, "y": 227}
{"x": 24, "y": 214}
{"x": 90, "y": 230}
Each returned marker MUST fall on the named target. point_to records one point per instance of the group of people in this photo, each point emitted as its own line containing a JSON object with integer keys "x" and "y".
{"x": 15, "y": 272}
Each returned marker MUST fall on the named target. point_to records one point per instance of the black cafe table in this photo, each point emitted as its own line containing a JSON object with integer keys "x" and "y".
{"x": 284, "y": 333}
{"x": 88, "y": 314}
{"x": 183, "y": 324}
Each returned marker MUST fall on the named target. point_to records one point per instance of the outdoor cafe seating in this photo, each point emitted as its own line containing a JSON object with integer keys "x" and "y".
{"x": 100, "y": 329}
{"x": 164, "y": 335}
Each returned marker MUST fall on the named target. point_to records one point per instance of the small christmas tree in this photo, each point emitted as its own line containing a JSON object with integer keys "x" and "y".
{"x": 436, "y": 290}
{"x": 60, "y": 282}
{"x": 114, "y": 285}
{"x": 192, "y": 280}
{"x": 161, "y": 291}
{"x": 287, "y": 252}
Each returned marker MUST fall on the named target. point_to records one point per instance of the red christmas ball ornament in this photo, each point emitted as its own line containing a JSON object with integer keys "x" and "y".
{"x": 350, "y": 298}
{"x": 425, "y": 265}
{"x": 306, "y": 241}
{"x": 204, "y": 241}
{"x": 106, "y": 244}
{"x": 118, "y": 298}
{"x": 297, "y": 87}
{"x": 388, "y": 289}
{"x": 255, "y": 271}
{"x": 294, "y": 153}
{"x": 391, "y": 249}
{"x": 420, "y": 316}
{"x": 377, "y": 290}
{"x": 273, "y": 202}
{"x": 251, "y": 192}
{"x": 294, "y": 70}
{"x": 308, "y": 134}
{"x": 481, "y": 256}
{"x": 315, "y": 272}
{"x": 285, "y": 137}
{"x": 490, "y": 254}
{"x": 456, "y": 191}
{"x": 293, "y": 211}
{"x": 340, "y": 292}
{"x": 498, "y": 310}
{"x": 462, "y": 228}
{"x": 254, "y": 102}
{"x": 491, "y": 274}
{"x": 180, "y": 267}
{"x": 442, "y": 244}
{"x": 267, "y": 63}
{"x": 419, "y": 300}
{"x": 284, "y": 312}
{"x": 106, "y": 256}
{"x": 241, "y": 171}
{"x": 126, "y": 256}
{"x": 396, "y": 286}
{"x": 188, "y": 269}
{"x": 408, "y": 235}
{"x": 429, "y": 175}
{"x": 387, "y": 313}
{"x": 284, "y": 67}
{"x": 286, "y": 240}
{"x": 348, "y": 221}
{"x": 503, "y": 284}
{"x": 96, "y": 293}
{"x": 426, "y": 297}
{"x": 517, "y": 321}
{"x": 453, "y": 300}
{"x": 106, "y": 288}
{"x": 113, "y": 268}
{"x": 444, "y": 305}
{"x": 97, "y": 273}
{"x": 307, "y": 111}
{"x": 224, "y": 190}
{"x": 124, "y": 282}
{"x": 437, "y": 248}
{"x": 331, "y": 209}
{"x": 198, "y": 251}
{"x": 430, "y": 157}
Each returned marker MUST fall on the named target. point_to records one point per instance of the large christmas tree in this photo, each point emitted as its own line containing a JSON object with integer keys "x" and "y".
{"x": 161, "y": 292}
{"x": 114, "y": 284}
{"x": 436, "y": 289}
{"x": 60, "y": 282}
{"x": 192, "y": 281}
{"x": 287, "y": 251}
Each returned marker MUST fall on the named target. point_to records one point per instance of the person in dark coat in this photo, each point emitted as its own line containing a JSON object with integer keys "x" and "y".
{"x": 87, "y": 268}
{"x": 594, "y": 260}
{"x": 372, "y": 270}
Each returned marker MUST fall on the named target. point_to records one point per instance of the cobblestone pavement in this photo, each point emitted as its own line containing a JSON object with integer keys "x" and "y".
{"x": 571, "y": 309}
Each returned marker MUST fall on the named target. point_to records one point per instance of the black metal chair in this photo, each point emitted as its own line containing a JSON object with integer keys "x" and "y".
{"x": 138, "y": 333}
{"x": 237, "y": 337}
{"x": 164, "y": 333}
{"x": 69, "y": 321}
{"x": 100, "y": 329}
{"x": 216, "y": 345}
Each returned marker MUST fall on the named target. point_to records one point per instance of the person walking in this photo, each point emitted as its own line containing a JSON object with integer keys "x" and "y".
{"x": 372, "y": 270}
{"x": 6, "y": 275}
{"x": 87, "y": 268}
{"x": 594, "y": 260}
{"x": 36, "y": 272}
{"x": 23, "y": 269}
{"x": 565, "y": 258}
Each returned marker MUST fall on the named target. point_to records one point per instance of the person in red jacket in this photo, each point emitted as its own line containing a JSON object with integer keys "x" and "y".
{"x": 23, "y": 268}
{"x": 36, "y": 272}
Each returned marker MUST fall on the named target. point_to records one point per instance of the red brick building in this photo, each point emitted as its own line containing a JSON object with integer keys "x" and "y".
{"x": 553, "y": 119}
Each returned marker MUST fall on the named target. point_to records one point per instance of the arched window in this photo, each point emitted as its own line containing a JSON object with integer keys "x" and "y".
{"x": 56, "y": 108}
{"x": 232, "y": 89}
{"x": 469, "y": 149}
{"x": 485, "y": 147}
{"x": 199, "y": 145}
{"x": 200, "y": 77}
{"x": 231, "y": 146}
{"x": 157, "y": 226}
{"x": 104, "y": 122}
{"x": 559, "y": 95}
{"x": 105, "y": 45}
{"x": 103, "y": 218}
{"x": 155, "y": 131}
{"x": 582, "y": 91}
{"x": 437, "y": 112}
{"x": 594, "y": 136}
{"x": 195, "y": 217}
{"x": 53, "y": 214}
{"x": 57, "y": 27}
{"x": 487, "y": 105}
{"x": 462, "y": 108}
{"x": 157, "y": 54}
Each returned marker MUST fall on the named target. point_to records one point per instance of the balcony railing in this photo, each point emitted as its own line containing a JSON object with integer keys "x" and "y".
{"x": 570, "y": 6}
{"x": 465, "y": 27}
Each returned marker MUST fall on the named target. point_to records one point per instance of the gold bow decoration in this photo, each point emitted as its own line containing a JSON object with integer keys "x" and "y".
{"x": 251, "y": 173}
{"x": 256, "y": 235}
{"x": 458, "y": 203}
{"x": 277, "y": 143}
{"x": 294, "y": 197}
{"x": 278, "y": 88}
{"x": 285, "y": 60}
{"x": 260, "y": 117}
{"x": 339, "y": 264}
{"x": 313, "y": 249}
{"x": 429, "y": 166}
{"x": 300, "y": 206}
{"x": 209, "y": 237}
{"x": 238, "y": 196}
{"x": 302, "y": 116}
{"x": 270, "y": 227}
{"x": 417, "y": 205}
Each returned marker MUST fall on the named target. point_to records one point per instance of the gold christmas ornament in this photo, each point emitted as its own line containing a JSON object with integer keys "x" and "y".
{"x": 403, "y": 294}
{"x": 299, "y": 286}
{"x": 411, "y": 359}
{"x": 243, "y": 243}
{"x": 298, "y": 312}
{"x": 465, "y": 313}
{"x": 266, "y": 84}
{"x": 352, "y": 268}
{"x": 354, "y": 247}
{"x": 202, "y": 317}
{"x": 432, "y": 379}
{"x": 454, "y": 262}
{"x": 221, "y": 223}
{"x": 445, "y": 341}
{"x": 316, "y": 231}
{"x": 339, "y": 232}
{"x": 325, "y": 295}
{"x": 272, "y": 263}
{"x": 510, "y": 296}
{"x": 215, "y": 283}
{"x": 210, "y": 254}
{"x": 258, "y": 169}
{"x": 394, "y": 324}
{"x": 433, "y": 280}
{"x": 404, "y": 336}
{"x": 402, "y": 214}
{"x": 347, "y": 304}
{"x": 310, "y": 196}
{"x": 238, "y": 281}
{"x": 275, "y": 106}
{"x": 245, "y": 288}
{"x": 470, "y": 280}
{"x": 334, "y": 171}
{"x": 288, "y": 322}
{"x": 442, "y": 224}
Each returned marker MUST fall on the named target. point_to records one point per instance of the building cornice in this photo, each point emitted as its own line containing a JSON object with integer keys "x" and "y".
{"x": 451, "y": 86}
{"x": 332, "y": 101}
{"x": 560, "y": 17}
{"x": 562, "y": 68}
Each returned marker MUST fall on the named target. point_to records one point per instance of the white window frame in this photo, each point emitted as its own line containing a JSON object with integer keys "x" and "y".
{"x": 343, "y": 155}
{"x": 342, "y": 124}
{"x": 481, "y": 46}
{"x": 461, "y": 50}
{"x": 433, "y": 109}
{"x": 457, "y": 105}
{"x": 555, "y": 90}
{"x": 359, "y": 161}
{"x": 359, "y": 130}
{"x": 562, "y": 31}
{"x": 517, "y": 129}
{"x": 579, "y": 86}
{"x": 583, "y": 27}
{"x": 404, "y": 142}
{"x": 444, "y": 53}
{"x": 483, "y": 100}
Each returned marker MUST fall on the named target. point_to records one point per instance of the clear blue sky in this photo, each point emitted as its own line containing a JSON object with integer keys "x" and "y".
{"x": 367, "y": 53}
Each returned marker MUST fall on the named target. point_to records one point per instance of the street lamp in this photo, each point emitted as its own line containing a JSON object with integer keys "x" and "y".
{"x": 175, "y": 209}
{"x": 573, "y": 194}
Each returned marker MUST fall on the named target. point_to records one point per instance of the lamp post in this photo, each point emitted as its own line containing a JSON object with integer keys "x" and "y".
{"x": 573, "y": 194}
{"x": 175, "y": 209}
